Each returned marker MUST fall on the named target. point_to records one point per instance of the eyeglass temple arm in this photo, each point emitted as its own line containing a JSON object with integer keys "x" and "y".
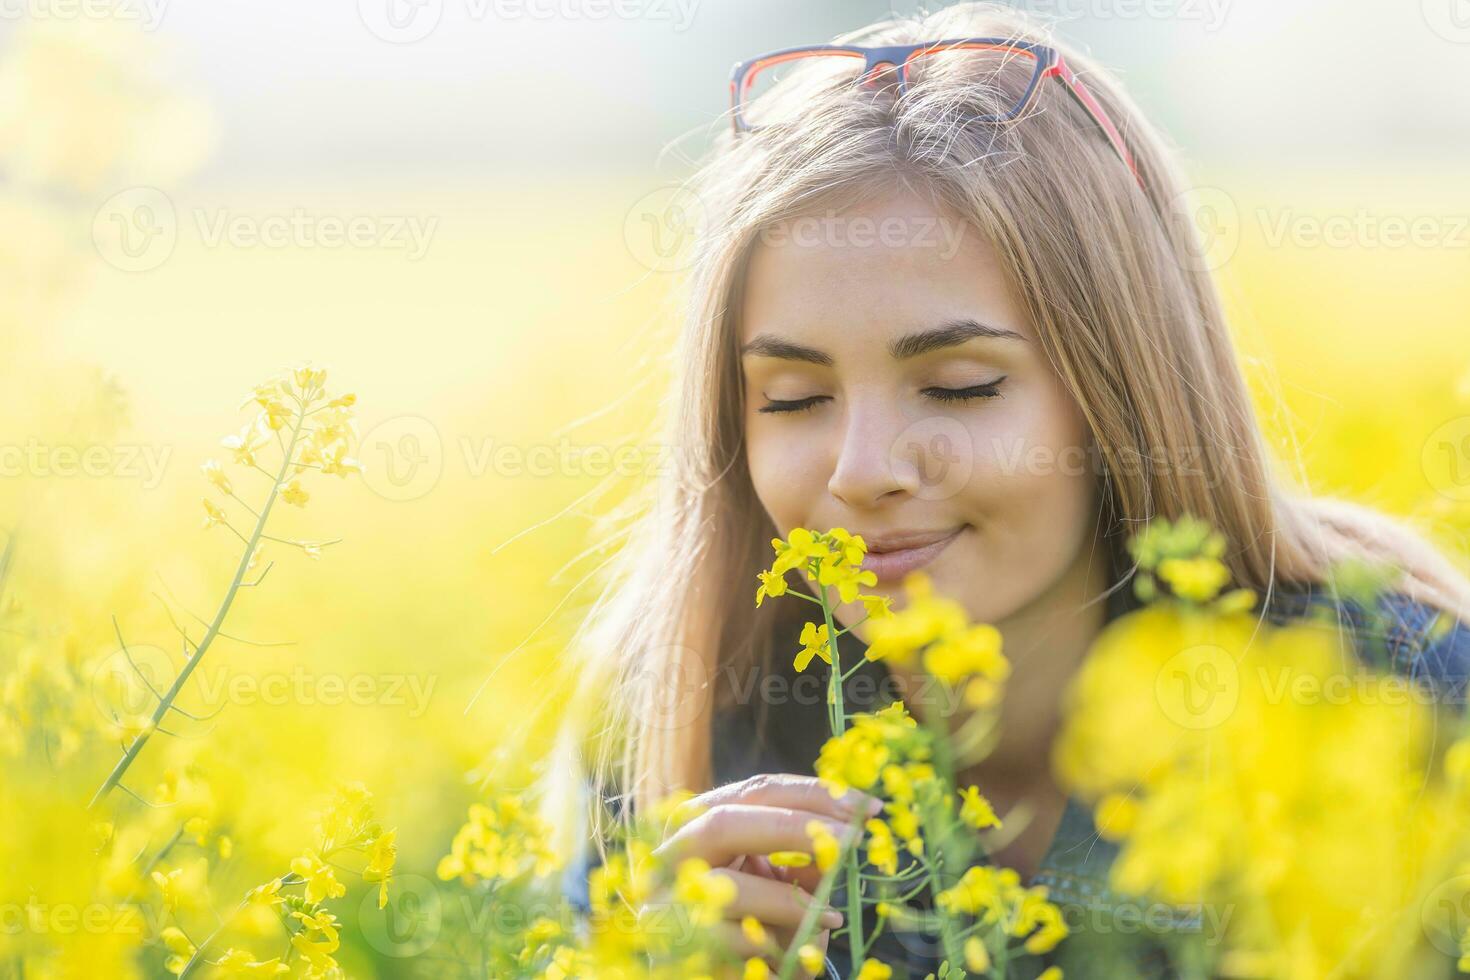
{"x": 1094, "y": 108}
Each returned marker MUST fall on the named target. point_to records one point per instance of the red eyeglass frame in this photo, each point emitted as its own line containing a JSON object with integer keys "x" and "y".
{"x": 1049, "y": 64}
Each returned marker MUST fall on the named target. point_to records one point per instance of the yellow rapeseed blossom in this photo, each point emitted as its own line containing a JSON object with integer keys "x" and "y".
{"x": 215, "y": 474}
{"x": 815, "y": 642}
{"x": 882, "y": 851}
{"x": 321, "y": 882}
{"x": 975, "y": 809}
{"x": 826, "y": 848}
{"x": 702, "y": 892}
{"x": 772, "y": 585}
{"x": 240, "y": 963}
{"x": 502, "y": 840}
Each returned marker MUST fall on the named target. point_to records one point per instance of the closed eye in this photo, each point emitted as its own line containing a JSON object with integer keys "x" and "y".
{"x": 989, "y": 390}
{"x": 800, "y": 405}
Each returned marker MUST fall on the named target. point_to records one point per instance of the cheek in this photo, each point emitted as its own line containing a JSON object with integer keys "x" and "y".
{"x": 784, "y": 471}
{"x": 1032, "y": 494}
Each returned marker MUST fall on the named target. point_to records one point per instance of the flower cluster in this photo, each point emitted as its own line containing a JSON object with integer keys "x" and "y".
{"x": 298, "y": 898}
{"x": 501, "y": 841}
{"x": 1267, "y": 769}
{"x": 310, "y": 428}
{"x": 1187, "y": 556}
{"x": 936, "y": 631}
{"x": 928, "y": 830}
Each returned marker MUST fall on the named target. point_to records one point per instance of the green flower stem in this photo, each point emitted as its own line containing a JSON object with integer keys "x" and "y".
{"x": 807, "y": 927}
{"x": 289, "y": 878}
{"x": 854, "y": 929}
{"x": 167, "y": 701}
{"x": 947, "y": 935}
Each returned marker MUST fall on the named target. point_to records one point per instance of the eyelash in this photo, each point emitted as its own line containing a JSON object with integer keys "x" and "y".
{"x": 989, "y": 390}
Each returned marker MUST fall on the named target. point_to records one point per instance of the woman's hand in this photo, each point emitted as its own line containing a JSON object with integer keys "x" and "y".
{"x": 737, "y": 825}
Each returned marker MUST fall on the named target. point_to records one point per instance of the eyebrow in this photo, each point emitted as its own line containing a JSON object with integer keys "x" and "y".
{"x": 951, "y": 333}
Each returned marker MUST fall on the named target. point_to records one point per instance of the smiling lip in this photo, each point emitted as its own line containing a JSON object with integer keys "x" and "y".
{"x": 891, "y": 557}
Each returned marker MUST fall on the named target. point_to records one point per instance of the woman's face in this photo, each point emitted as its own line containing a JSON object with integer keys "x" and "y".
{"x": 893, "y": 387}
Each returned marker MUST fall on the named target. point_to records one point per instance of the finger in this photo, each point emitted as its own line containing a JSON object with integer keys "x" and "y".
{"x": 728, "y": 831}
{"x": 773, "y": 903}
{"x": 785, "y": 790}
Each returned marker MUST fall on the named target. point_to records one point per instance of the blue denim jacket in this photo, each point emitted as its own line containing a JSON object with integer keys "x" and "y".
{"x": 784, "y": 733}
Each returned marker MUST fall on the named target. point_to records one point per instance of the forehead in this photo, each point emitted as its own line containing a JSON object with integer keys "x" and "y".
{"x": 891, "y": 263}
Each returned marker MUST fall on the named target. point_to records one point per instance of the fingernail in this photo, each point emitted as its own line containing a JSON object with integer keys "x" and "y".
{"x": 854, "y": 800}
{"x": 831, "y": 919}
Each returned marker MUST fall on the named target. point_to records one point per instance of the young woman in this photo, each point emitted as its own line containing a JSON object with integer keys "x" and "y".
{"x": 944, "y": 304}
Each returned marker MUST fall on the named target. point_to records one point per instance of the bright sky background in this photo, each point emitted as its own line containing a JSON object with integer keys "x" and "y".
{"x": 309, "y": 89}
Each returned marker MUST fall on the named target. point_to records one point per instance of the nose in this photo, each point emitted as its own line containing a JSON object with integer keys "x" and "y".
{"x": 868, "y": 467}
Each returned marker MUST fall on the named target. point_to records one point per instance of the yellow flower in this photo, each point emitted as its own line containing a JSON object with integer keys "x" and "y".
{"x": 335, "y": 460}
{"x": 825, "y": 845}
{"x": 876, "y": 606}
{"x": 239, "y": 963}
{"x": 1036, "y": 911}
{"x": 926, "y": 619}
{"x": 245, "y": 444}
{"x": 215, "y": 474}
{"x": 874, "y": 970}
{"x": 292, "y": 493}
{"x": 847, "y": 578}
{"x": 756, "y": 969}
{"x": 882, "y": 851}
{"x": 814, "y": 643}
{"x": 179, "y": 948}
{"x": 318, "y": 940}
{"x": 1196, "y": 579}
{"x": 751, "y": 927}
{"x": 851, "y": 547}
{"x": 849, "y": 761}
{"x": 183, "y": 886}
{"x": 212, "y": 514}
{"x": 1116, "y": 814}
{"x": 968, "y": 652}
{"x": 811, "y": 960}
{"x": 321, "y": 883}
{"x": 800, "y": 547}
{"x": 705, "y": 893}
{"x": 308, "y": 377}
{"x": 977, "y": 957}
{"x": 789, "y": 859}
{"x": 381, "y": 854}
{"x": 266, "y": 894}
{"x": 275, "y": 415}
{"x": 975, "y": 810}
{"x": 1050, "y": 973}
{"x": 772, "y": 585}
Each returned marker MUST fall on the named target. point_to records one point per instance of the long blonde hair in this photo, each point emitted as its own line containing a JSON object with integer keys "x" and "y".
{"x": 1131, "y": 322}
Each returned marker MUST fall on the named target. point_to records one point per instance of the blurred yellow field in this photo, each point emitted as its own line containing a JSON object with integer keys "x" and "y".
{"x": 508, "y": 366}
